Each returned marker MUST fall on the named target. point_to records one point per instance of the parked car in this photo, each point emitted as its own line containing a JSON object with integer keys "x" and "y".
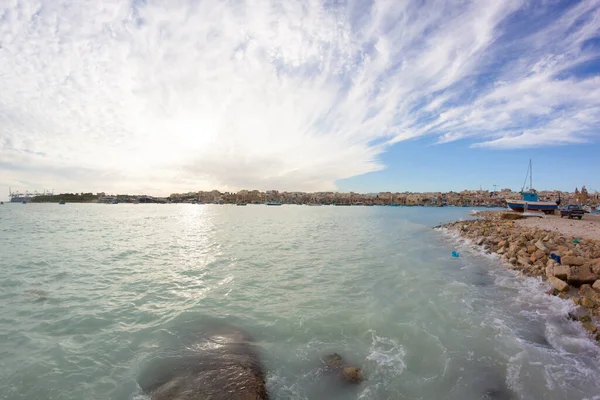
{"x": 572, "y": 211}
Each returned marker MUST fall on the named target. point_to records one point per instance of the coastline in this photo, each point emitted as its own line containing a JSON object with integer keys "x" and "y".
{"x": 533, "y": 247}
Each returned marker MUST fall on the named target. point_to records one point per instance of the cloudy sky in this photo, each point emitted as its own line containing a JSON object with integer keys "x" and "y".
{"x": 163, "y": 96}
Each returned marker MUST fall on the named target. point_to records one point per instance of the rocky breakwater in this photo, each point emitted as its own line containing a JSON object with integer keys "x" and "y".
{"x": 570, "y": 265}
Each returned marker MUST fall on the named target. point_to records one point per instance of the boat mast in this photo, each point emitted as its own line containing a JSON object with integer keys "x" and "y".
{"x": 530, "y": 176}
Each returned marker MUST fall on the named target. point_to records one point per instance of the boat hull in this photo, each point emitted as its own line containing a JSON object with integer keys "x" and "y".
{"x": 519, "y": 205}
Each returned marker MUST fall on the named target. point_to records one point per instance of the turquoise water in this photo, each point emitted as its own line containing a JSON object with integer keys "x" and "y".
{"x": 95, "y": 297}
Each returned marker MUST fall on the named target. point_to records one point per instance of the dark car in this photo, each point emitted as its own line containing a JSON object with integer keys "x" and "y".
{"x": 572, "y": 211}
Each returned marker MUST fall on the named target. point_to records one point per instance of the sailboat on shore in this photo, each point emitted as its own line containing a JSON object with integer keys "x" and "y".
{"x": 530, "y": 199}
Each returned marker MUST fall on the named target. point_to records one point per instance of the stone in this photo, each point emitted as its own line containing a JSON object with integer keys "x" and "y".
{"x": 596, "y": 285}
{"x": 228, "y": 360}
{"x": 502, "y": 243}
{"x": 531, "y": 249}
{"x": 580, "y": 275}
{"x": 352, "y": 375}
{"x": 333, "y": 360}
{"x": 587, "y": 303}
{"x": 346, "y": 373}
{"x": 573, "y": 261}
{"x": 560, "y": 271}
{"x": 541, "y": 246}
{"x": 524, "y": 261}
{"x": 549, "y": 271}
{"x": 591, "y": 328}
{"x": 539, "y": 254}
{"x": 559, "y": 285}
{"x": 479, "y": 241}
{"x": 590, "y": 294}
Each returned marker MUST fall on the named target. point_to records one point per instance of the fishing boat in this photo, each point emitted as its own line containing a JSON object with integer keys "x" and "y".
{"x": 241, "y": 204}
{"x": 530, "y": 200}
{"x": 273, "y": 204}
{"x": 61, "y": 202}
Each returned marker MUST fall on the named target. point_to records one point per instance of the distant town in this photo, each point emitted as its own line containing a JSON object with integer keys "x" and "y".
{"x": 465, "y": 198}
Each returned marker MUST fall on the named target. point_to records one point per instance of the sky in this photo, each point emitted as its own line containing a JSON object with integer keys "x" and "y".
{"x": 158, "y": 97}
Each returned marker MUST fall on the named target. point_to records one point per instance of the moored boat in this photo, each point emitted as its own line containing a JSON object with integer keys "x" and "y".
{"x": 530, "y": 200}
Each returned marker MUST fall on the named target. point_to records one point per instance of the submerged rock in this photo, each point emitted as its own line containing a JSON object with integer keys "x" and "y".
{"x": 347, "y": 373}
{"x": 224, "y": 366}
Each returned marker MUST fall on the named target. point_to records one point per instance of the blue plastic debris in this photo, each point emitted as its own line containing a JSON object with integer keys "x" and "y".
{"x": 555, "y": 257}
{"x": 455, "y": 254}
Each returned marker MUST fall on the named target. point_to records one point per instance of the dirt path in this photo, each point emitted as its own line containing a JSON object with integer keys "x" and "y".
{"x": 588, "y": 227}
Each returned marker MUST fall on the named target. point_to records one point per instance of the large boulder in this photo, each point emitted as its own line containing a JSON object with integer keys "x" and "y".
{"x": 221, "y": 366}
{"x": 580, "y": 275}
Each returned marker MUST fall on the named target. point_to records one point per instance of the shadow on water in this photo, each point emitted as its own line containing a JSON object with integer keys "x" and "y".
{"x": 492, "y": 385}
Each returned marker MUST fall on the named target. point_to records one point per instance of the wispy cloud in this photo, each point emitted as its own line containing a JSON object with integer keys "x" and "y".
{"x": 178, "y": 95}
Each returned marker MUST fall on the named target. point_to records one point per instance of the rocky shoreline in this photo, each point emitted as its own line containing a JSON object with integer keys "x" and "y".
{"x": 570, "y": 265}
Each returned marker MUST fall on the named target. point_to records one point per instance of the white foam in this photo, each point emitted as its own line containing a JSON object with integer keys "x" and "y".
{"x": 387, "y": 355}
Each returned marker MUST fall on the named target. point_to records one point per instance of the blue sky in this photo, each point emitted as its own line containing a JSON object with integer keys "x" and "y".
{"x": 157, "y": 97}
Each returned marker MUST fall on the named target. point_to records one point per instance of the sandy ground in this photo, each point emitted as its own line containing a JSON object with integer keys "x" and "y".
{"x": 588, "y": 227}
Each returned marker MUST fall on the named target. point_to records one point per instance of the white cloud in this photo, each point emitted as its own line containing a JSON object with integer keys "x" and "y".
{"x": 161, "y": 96}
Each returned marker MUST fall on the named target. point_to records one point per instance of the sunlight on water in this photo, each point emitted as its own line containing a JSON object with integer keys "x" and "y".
{"x": 97, "y": 299}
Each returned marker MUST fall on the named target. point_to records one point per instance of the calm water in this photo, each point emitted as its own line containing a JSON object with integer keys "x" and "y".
{"x": 93, "y": 297}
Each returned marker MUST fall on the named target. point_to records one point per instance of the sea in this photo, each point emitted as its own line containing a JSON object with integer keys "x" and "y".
{"x": 94, "y": 297}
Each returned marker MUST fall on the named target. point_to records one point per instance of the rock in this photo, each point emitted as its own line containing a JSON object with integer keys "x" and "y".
{"x": 596, "y": 285}
{"x": 539, "y": 254}
{"x": 347, "y": 373}
{"x": 352, "y": 375}
{"x": 591, "y": 328}
{"x": 572, "y": 260}
{"x": 587, "y": 303}
{"x": 524, "y": 261}
{"x": 479, "y": 241}
{"x": 333, "y": 360}
{"x": 531, "y": 249}
{"x": 595, "y": 266}
{"x": 560, "y": 271}
{"x": 223, "y": 365}
{"x": 549, "y": 271}
{"x": 559, "y": 285}
{"x": 502, "y": 243}
{"x": 589, "y": 294}
{"x": 541, "y": 246}
{"x": 580, "y": 275}
{"x": 579, "y": 313}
